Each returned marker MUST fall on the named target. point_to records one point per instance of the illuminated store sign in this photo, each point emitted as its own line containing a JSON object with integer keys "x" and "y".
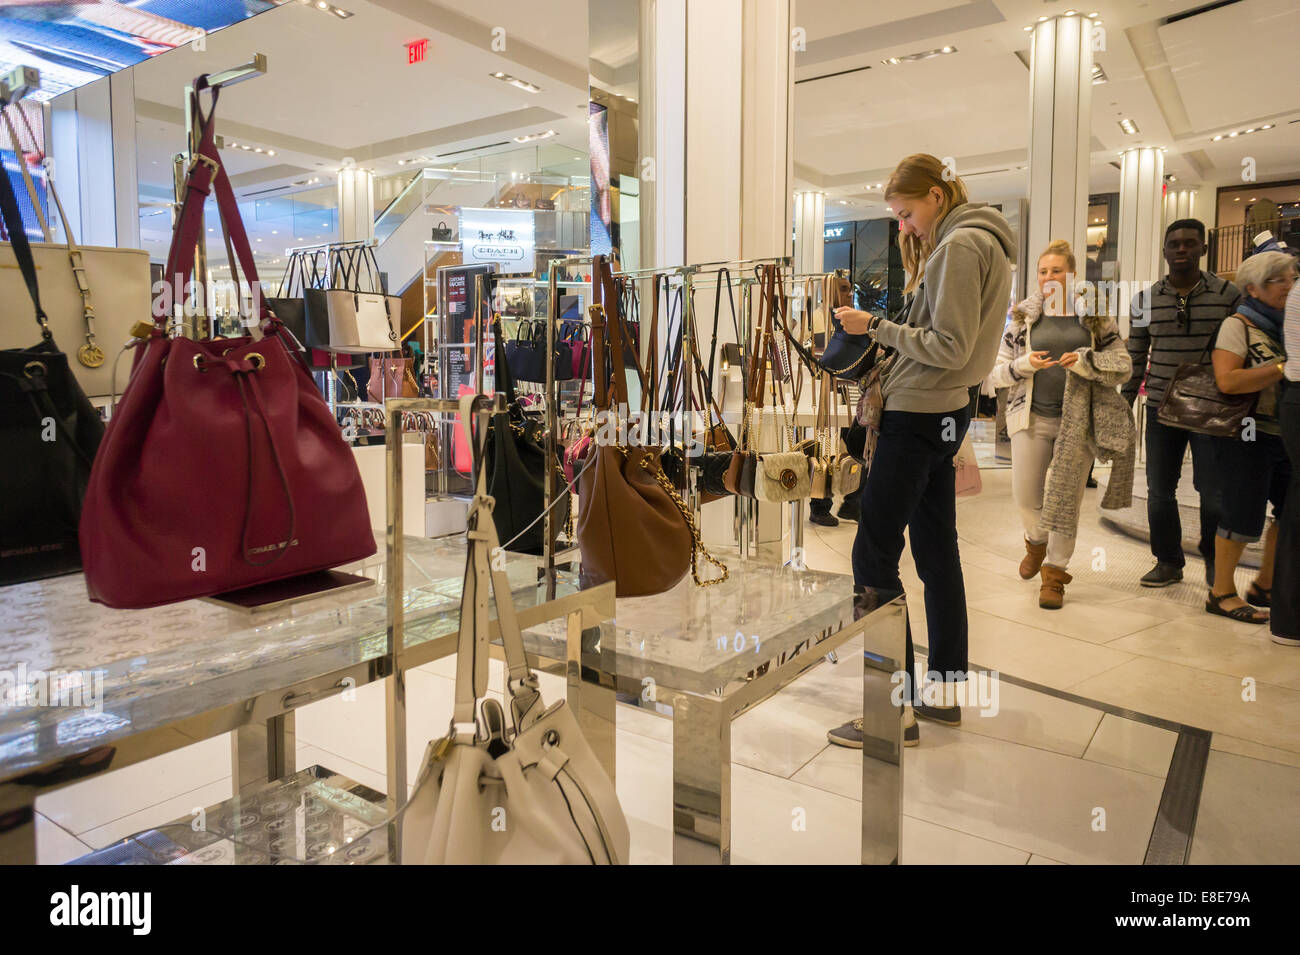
{"x": 833, "y": 232}
{"x": 503, "y": 236}
{"x": 416, "y": 51}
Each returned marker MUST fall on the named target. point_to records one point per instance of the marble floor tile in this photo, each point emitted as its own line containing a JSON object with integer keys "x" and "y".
{"x": 1235, "y": 653}
{"x": 158, "y": 813}
{"x": 1242, "y": 747}
{"x": 924, "y": 843}
{"x": 1244, "y": 817}
{"x": 1079, "y": 618}
{"x": 1036, "y": 655}
{"x": 1042, "y": 860}
{"x": 87, "y": 805}
{"x": 1199, "y": 698}
{"x": 55, "y": 845}
{"x": 1034, "y": 719}
{"x": 1129, "y": 744}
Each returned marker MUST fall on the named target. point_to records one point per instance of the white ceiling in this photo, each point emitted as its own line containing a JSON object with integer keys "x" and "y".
{"x": 1181, "y": 83}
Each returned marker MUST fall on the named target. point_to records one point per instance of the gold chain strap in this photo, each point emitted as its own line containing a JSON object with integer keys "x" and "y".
{"x": 697, "y": 545}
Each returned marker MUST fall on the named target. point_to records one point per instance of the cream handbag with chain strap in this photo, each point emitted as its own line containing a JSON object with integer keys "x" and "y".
{"x": 530, "y": 793}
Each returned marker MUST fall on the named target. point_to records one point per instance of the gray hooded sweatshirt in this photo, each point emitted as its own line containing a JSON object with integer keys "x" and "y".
{"x": 950, "y": 340}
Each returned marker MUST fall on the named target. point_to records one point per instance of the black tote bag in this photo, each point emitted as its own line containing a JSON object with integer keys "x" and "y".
{"x": 515, "y": 457}
{"x": 49, "y": 433}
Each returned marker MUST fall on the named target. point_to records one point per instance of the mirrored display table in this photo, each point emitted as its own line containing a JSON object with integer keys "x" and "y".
{"x": 135, "y": 684}
{"x": 712, "y": 653}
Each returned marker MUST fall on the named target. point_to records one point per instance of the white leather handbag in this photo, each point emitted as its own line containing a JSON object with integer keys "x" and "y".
{"x": 363, "y": 321}
{"x": 487, "y": 793}
{"x": 92, "y": 297}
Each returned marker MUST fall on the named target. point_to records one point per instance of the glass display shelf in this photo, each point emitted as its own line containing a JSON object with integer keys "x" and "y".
{"x": 315, "y": 817}
{"x": 161, "y": 665}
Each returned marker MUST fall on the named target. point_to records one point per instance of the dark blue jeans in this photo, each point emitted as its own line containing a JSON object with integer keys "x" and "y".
{"x": 911, "y": 485}
{"x": 1166, "y": 448}
{"x": 1284, "y": 617}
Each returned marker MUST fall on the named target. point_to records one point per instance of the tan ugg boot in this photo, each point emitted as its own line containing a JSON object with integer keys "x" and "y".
{"x": 1052, "y": 593}
{"x": 1034, "y": 556}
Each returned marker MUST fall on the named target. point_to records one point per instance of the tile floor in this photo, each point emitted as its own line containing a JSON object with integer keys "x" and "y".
{"x": 1044, "y": 781}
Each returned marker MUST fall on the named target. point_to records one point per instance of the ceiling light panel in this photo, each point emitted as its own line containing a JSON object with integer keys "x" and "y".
{"x": 925, "y": 55}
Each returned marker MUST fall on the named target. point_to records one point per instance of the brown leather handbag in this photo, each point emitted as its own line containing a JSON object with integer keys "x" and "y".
{"x": 1194, "y": 402}
{"x": 633, "y": 528}
{"x": 391, "y": 376}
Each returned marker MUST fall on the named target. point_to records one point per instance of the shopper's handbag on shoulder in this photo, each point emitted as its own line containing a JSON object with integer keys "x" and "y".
{"x": 48, "y": 434}
{"x": 1194, "y": 402}
{"x": 222, "y": 466}
{"x": 537, "y": 771}
{"x": 91, "y": 296}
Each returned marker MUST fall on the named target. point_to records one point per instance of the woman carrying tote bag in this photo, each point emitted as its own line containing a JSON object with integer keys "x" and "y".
{"x": 958, "y": 258}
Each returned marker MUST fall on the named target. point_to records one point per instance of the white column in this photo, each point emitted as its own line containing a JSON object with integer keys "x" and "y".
{"x": 1060, "y": 129}
{"x": 1189, "y": 202}
{"x": 809, "y": 229}
{"x": 356, "y": 192}
{"x": 716, "y": 124}
{"x": 1141, "y": 218}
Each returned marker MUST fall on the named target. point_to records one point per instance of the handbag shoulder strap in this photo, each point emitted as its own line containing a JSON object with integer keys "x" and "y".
{"x": 13, "y": 222}
{"x": 17, "y": 145}
{"x": 505, "y": 381}
{"x": 207, "y": 175}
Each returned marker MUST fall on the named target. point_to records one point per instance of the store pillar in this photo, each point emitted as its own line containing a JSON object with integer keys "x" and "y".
{"x": 90, "y": 134}
{"x": 1060, "y": 130}
{"x": 717, "y": 169}
{"x": 1190, "y": 202}
{"x": 809, "y": 228}
{"x": 1141, "y": 220}
{"x": 356, "y": 192}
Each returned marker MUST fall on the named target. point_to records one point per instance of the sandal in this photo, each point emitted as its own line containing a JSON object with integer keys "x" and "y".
{"x": 1244, "y": 614}
{"x": 1258, "y": 596}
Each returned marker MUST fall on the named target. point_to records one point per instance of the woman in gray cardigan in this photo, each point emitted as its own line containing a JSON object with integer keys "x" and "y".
{"x": 1047, "y": 339}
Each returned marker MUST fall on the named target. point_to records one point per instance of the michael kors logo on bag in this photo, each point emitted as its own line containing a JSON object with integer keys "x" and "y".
{"x": 789, "y": 479}
{"x": 40, "y": 549}
{"x": 266, "y": 548}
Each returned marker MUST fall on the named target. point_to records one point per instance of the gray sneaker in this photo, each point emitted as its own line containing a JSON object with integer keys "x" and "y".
{"x": 850, "y": 735}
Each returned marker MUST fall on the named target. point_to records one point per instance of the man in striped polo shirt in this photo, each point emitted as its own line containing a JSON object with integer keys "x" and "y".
{"x": 1171, "y": 323}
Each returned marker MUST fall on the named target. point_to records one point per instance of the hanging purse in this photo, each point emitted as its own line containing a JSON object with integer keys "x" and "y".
{"x": 538, "y": 773}
{"x": 287, "y": 304}
{"x": 578, "y": 337}
{"x": 632, "y": 527}
{"x": 96, "y": 327}
{"x": 1194, "y": 402}
{"x": 222, "y": 466}
{"x": 49, "y": 434}
{"x": 783, "y": 474}
{"x": 526, "y": 354}
{"x": 363, "y": 318}
{"x": 845, "y": 356}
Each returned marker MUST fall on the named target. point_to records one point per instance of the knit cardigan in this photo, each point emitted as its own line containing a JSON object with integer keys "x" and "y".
{"x": 1095, "y": 422}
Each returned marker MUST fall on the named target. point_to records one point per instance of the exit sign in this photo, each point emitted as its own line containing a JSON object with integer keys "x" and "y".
{"x": 416, "y": 50}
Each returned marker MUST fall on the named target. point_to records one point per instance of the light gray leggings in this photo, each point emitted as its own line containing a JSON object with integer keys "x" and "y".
{"x": 1031, "y": 456}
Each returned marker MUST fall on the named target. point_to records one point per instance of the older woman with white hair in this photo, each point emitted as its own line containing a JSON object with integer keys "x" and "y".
{"x": 1249, "y": 358}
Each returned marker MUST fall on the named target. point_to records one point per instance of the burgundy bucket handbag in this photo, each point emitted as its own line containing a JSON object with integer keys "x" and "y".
{"x": 222, "y": 466}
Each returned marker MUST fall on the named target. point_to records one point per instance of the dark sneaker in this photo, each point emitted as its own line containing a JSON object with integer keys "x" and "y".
{"x": 1286, "y": 641}
{"x": 948, "y": 715}
{"x": 850, "y": 735}
{"x": 1162, "y": 575}
{"x": 825, "y": 520}
{"x": 849, "y": 511}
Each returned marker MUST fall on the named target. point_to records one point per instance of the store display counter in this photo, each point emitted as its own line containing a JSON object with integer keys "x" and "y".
{"x": 147, "y": 682}
{"x": 712, "y": 653}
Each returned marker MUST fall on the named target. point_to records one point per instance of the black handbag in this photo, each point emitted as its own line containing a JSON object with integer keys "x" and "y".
{"x": 1194, "y": 402}
{"x": 713, "y": 470}
{"x": 845, "y": 356}
{"x": 526, "y": 355}
{"x": 442, "y": 232}
{"x": 515, "y": 458}
{"x": 49, "y": 434}
{"x": 287, "y": 304}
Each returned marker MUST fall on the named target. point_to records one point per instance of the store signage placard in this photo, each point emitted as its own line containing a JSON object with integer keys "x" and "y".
{"x": 501, "y": 236}
{"x": 833, "y": 232}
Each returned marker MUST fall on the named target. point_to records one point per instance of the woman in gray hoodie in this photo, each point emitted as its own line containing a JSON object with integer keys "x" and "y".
{"x": 957, "y": 255}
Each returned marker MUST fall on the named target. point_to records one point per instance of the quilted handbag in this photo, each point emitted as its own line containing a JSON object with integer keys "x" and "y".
{"x": 222, "y": 467}
{"x": 537, "y": 773}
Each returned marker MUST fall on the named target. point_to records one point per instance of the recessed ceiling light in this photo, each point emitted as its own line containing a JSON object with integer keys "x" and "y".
{"x": 533, "y": 137}
{"x": 1029, "y": 29}
{"x": 924, "y": 55}
{"x": 1238, "y": 199}
{"x": 1128, "y": 126}
{"x": 516, "y": 82}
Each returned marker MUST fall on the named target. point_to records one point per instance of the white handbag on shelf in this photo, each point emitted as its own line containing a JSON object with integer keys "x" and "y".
{"x": 363, "y": 321}
{"x": 91, "y": 329}
{"x": 533, "y": 793}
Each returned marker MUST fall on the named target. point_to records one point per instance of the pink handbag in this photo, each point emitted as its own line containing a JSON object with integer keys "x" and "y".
{"x": 968, "y": 478}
